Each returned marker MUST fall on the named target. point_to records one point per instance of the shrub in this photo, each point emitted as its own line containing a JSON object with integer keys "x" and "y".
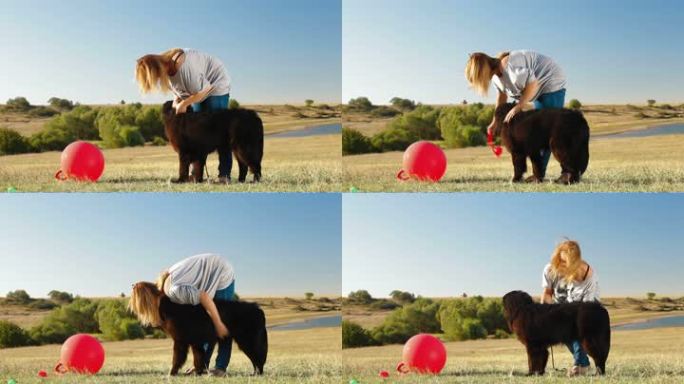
{"x": 42, "y": 304}
{"x": 309, "y": 295}
{"x": 650, "y": 295}
{"x": 471, "y": 318}
{"x": 402, "y": 297}
{"x": 353, "y": 336}
{"x": 308, "y": 102}
{"x": 233, "y": 104}
{"x": 574, "y": 104}
{"x": 64, "y": 321}
{"x": 355, "y": 142}
{"x": 116, "y": 322}
{"x": 421, "y": 122}
{"x": 148, "y": 119}
{"x": 131, "y": 136}
{"x": 465, "y": 125}
{"x": 392, "y": 140}
{"x": 11, "y": 142}
{"x": 417, "y": 317}
{"x": 384, "y": 112}
{"x": 11, "y": 335}
{"x": 384, "y": 305}
{"x": 501, "y": 334}
{"x": 158, "y": 141}
{"x": 19, "y": 296}
{"x": 77, "y": 124}
{"x": 650, "y": 102}
{"x": 42, "y": 112}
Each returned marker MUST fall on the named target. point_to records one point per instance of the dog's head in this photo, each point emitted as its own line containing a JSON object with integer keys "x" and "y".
{"x": 513, "y": 303}
{"x": 167, "y": 109}
{"x": 499, "y": 115}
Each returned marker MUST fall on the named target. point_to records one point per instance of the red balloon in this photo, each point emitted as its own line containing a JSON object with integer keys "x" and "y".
{"x": 424, "y": 161}
{"x": 81, "y": 161}
{"x": 81, "y": 353}
{"x": 423, "y": 353}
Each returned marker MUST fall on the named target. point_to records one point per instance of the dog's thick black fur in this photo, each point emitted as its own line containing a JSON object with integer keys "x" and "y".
{"x": 194, "y": 135}
{"x": 539, "y": 326}
{"x": 190, "y": 327}
{"x": 564, "y": 131}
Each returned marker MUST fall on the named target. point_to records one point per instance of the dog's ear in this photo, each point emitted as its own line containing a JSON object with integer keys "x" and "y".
{"x": 167, "y": 108}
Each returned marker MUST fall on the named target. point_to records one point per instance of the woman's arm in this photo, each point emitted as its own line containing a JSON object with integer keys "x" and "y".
{"x": 547, "y": 296}
{"x": 209, "y": 305}
{"x": 530, "y": 90}
{"x": 501, "y": 98}
{"x": 183, "y": 105}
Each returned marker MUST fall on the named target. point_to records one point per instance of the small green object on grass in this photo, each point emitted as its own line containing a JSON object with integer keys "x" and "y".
{"x": 11, "y": 189}
{"x": 353, "y": 189}
{"x": 352, "y": 381}
{"x": 11, "y": 381}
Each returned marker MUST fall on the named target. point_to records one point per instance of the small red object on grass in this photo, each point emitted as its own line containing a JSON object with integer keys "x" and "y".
{"x": 42, "y": 373}
{"x": 495, "y": 148}
{"x": 384, "y": 374}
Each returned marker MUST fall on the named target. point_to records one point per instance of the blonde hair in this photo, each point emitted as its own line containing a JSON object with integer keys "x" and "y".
{"x": 152, "y": 73}
{"x": 480, "y": 68}
{"x": 144, "y": 303}
{"x": 572, "y": 270}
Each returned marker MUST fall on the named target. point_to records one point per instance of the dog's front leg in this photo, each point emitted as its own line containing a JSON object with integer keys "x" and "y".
{"x": 180, "y": 354}
{"x": 198, "y": 359}
{"x": 519, "y": 166}
{"x": 536, "y": 359}
{"x": 183, "y": 168}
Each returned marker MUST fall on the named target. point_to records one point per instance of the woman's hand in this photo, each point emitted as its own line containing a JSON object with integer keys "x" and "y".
{"x": 181, "y": 107}
{"x": 490, "y": 129}
{"x": 221, "y": 330}
{"x": 512, "y": 113}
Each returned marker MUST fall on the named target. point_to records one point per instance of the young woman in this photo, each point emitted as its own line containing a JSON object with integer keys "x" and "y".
{"x": 199, "y": 279}
{"x": 525, "y": 76}
{"x": 195, "y": 78}
{"x": 566, "y": 279}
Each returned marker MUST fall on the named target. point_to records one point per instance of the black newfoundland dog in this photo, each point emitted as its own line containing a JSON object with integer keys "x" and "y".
{"x": 194, "y": 135}
{"x": 539, "y": 326}
{"x": 564, "y": 131}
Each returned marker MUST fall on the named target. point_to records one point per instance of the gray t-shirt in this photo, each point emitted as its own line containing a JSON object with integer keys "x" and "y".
{"x": 205, "y": 272}
{"x": 564, "y": 292}
{"x": 198, "y": 71}
{"x": 524, "y": 67}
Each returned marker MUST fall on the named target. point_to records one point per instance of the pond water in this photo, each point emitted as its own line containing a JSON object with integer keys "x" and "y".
{"x": 672, "y": 321}
{"x": 317, "y": 322}
{"x": 327, "y": 129}
{"x": 671, "y": 129}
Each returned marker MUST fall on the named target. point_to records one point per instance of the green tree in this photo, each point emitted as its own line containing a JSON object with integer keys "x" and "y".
{"x": 19, "y": 104}
{"x": 309, "y": 295}
{"x": 360, "y": 297}
{"x": 308, "y": 102}
{"x": 650, "y": 102}
{"x": 360, "y": 104}
{"x": 402, "y": 297}
{"x": 403, "y": 104}
{"x": 11, "y": 335}
{"x": 11, "y": 142}
{"x": 354, "y": 336}
{"x": 574, "y": 104}
{"x": 417, "y": 317}
{"x": 19, "y": 296}
{"x": 116, "y": 322}
{"x": 61, "y": 104}
{"x": 650, "y": 295}
{"x": 61, "y": 297}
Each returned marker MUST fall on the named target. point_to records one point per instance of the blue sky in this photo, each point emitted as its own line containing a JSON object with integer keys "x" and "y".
{"x": 612, "y": 51}
{"x": 275, "y": 51}
{"x": 446, "y": 244}
{"x": 99, "y": 244}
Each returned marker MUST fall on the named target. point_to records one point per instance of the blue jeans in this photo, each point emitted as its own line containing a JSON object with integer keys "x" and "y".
{"x": 545, "y": 101}
{"x": 225, "y": 348}
{"x": 578, "y": 354}
{"x": 215, "y": 103}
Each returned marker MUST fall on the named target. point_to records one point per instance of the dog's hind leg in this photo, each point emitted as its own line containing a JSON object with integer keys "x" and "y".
{"x": 538, "y": 170}
{"x": 180, "y": 355}
{"x": 183, "y": 168}
{"x": 598, "y": 347}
